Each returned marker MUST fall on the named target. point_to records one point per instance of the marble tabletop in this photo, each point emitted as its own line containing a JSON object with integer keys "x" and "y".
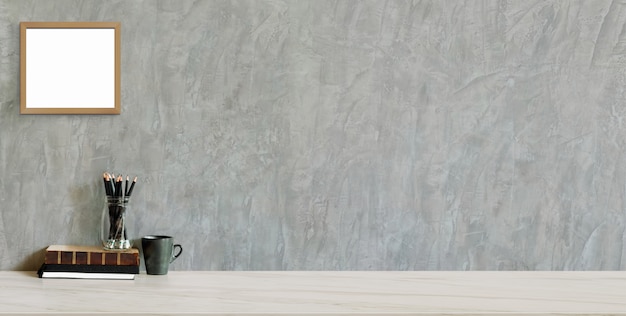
{"x": 320, "y": 293}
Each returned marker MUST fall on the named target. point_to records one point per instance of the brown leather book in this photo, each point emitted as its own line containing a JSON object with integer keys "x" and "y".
{"x": 90, "y": 255}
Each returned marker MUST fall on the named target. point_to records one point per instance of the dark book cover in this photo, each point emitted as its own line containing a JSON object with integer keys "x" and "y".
{"x": 83, "y": 270}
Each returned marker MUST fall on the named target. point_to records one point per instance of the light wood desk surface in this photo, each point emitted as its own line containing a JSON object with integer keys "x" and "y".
{"x": 320, "y": 293}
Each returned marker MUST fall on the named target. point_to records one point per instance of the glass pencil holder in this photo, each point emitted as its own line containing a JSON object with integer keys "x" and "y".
{"x": 114, "y": 224}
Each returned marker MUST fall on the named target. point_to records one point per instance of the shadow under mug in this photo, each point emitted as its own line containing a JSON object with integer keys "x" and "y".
{"x": 158, "y": 253}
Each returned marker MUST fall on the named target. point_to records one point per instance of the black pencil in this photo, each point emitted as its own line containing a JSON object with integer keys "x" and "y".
{"x": 132, "y": 186}
{"x": 106, "y": 184}
{"x": 112, "y": 183}
{"x": 118, "y": 186}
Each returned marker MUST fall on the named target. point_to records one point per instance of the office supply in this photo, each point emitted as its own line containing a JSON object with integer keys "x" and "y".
{"x": 132, "y": 186}
{"x": 113, "y": 221}
{"x": 114, "y": 186}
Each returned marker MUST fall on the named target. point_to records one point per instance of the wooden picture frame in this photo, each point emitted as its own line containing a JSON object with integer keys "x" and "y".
{"x": 70, "y": 68}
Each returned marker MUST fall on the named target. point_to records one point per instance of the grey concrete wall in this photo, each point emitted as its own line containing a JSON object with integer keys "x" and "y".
{"x": 337, "y": 135}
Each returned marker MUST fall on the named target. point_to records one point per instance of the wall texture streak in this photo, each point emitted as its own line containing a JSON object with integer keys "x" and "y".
{"x": 336, "y": 135}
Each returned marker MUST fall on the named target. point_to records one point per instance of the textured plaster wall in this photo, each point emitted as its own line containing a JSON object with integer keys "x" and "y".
{"x": 336, "y": 135}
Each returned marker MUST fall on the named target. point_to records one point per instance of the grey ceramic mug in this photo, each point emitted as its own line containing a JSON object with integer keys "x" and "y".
{"x": 158, "y": 253}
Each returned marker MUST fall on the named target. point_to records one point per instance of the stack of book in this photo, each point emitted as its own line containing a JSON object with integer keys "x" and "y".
{"x": 89, "y": 262}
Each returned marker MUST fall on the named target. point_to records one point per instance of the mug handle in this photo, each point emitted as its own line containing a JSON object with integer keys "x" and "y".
{"x": 180, "y": 251}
